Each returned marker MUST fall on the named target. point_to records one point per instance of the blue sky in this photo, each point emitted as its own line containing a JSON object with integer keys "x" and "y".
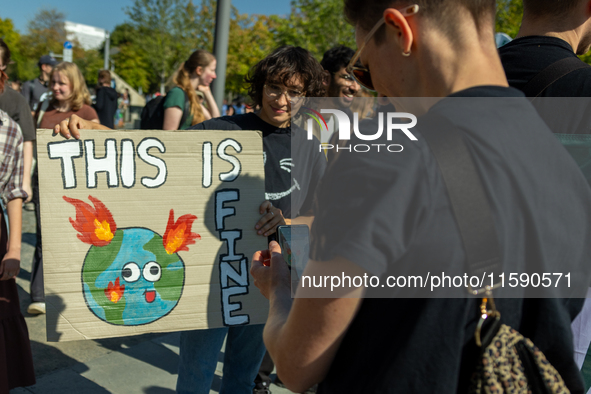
{"x": 107, "y": 14}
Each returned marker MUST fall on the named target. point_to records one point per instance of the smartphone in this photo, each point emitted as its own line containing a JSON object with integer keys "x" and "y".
{"x": 295, "y": 246}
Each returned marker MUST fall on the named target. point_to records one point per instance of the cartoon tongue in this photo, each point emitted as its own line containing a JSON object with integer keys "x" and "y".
{"x": 150, "y": 295}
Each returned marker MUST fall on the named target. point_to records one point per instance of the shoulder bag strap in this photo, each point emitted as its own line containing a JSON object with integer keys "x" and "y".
{"x": 551, "y": 74}
{"x": 468, "y": 198}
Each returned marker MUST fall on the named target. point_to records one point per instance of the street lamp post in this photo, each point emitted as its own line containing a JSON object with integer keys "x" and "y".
{"x": 220, "y": 48}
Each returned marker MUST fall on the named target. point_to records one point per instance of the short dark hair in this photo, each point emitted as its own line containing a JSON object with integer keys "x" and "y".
{"x": 365, "y": 13}
{"x": 282, "y": 65}
{"x": 104, "y": 76}
{"x": 555, "y": 8}
{"x": 336, "y": 58}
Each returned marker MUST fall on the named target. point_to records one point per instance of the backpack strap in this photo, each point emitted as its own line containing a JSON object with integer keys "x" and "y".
{"x": 42, "y": 110}
{"x": 468, "y": 198}
{"x": 551, "y": 74}
{"x": 186, "y": 109}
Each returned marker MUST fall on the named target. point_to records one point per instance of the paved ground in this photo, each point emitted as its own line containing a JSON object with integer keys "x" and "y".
{"x": 141, "y": 364}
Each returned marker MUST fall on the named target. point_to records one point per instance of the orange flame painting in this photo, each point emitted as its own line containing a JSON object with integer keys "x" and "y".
{"x": 114, "y": 292}
{"x": 178, "y": 235}
{"x": 95, "y": 225}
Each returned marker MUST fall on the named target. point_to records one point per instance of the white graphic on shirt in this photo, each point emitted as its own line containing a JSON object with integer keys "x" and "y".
{"x": 286, "y": 165}
{"x": 278, "y": 196}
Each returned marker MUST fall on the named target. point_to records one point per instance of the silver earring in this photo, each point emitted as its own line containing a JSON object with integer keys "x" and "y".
{"x": 406, "y": 54}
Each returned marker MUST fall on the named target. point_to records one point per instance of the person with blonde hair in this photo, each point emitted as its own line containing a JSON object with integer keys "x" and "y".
{"x": 69, "y": 96}
{"x": 195, "y": 74}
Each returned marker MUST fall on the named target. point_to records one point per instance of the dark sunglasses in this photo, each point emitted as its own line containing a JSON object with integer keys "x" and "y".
{"x": 362, "y": 74}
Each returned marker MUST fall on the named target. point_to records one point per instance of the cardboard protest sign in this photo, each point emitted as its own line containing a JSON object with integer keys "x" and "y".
{"x": 149, "y": 231}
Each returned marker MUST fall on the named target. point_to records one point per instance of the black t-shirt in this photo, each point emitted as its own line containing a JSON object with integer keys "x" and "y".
{"x": 390, "y": 211}
{"x": 106, "y": 105}
{"x": 523, "y": 58}
{"x": 293, "y": 165}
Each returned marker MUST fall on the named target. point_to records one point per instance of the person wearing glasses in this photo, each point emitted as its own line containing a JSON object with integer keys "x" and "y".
{"x": 279, "y": 84}
{"x": 341, "y": 86}
{"x": 383, "y": 215}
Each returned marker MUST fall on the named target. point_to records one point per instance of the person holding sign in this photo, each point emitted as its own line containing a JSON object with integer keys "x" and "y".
{"x": 69, "y": 96}
{"x": 279, "y": 84}
{"x": 195, "y": 74}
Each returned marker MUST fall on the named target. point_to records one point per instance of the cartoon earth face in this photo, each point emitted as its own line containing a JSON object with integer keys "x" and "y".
{"x": 132, "y": 280}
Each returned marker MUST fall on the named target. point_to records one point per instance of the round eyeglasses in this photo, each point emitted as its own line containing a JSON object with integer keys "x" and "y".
{"x": 275, "y": 91}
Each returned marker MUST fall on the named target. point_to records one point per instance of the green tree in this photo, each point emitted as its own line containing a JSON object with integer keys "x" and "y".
{"x": 130, "y": 61}
{"x": 163, "y": 28}
{"x": 17, "y": 70}
{"x": 316, "y": 25}
{"x": 89, "y": 62}
{"x": 251, "y": 39}
{"x": 509, "y": 14}
{"x": 46, "y": 33}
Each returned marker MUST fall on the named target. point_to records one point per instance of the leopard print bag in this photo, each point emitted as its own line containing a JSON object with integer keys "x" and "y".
{"x": 511, "y": 363}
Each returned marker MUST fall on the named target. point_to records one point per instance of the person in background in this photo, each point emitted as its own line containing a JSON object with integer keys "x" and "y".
{"x": 106, "y": 99}
{"x": 70, "y": 96}
{"x": 126, "y": 105}
{"x": 341, "y": 88}
{"x": 196, "y": 73}
{"x": 16, "y": 360}
{"x": 554, "y": 32}
{"x": 36, "y": 89}
{"x": 224, "y": 107}
{"x": 550, "y": 32}
{"x": 365, "y": 105}
{"x": 341, "y": 85}
{"x": 16, "y": 86}
{"x": 230, "y": 111}
{"x": 17, "y": 108}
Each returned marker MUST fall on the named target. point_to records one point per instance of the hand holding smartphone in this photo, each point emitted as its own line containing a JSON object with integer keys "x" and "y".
{"x": 295, "y": 248}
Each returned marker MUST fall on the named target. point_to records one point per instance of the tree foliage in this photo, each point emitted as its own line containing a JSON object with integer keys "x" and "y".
{"x": 509, "y": 14}
{"x": 12, "y": 38}
{"x": 163, "y": 28}
{"x": 251, "y": 39}
{"x": 316, "y": 25}
{"x": 45, "y": 34}
{"x": 159, "y": 35}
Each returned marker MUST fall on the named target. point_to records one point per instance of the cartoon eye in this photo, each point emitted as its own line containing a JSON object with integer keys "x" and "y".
{"x": 152, "y": 271}
{"x": 130, "y": 272}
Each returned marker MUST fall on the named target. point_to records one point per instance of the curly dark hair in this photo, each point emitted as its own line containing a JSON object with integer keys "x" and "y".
{"x": 336, "y": 58}
{"x": 282, "y": 65}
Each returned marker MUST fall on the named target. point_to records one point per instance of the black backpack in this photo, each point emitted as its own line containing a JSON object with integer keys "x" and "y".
{"x": 152, "y": 117}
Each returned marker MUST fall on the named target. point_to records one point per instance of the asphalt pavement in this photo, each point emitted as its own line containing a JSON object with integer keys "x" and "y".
{"x": 144, "y": 364}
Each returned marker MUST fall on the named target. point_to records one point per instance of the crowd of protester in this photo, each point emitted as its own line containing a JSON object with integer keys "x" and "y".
{"x": 368, "y": 214}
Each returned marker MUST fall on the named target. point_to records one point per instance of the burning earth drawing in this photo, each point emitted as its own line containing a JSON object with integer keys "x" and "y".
{"x": 131, "y": 276}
